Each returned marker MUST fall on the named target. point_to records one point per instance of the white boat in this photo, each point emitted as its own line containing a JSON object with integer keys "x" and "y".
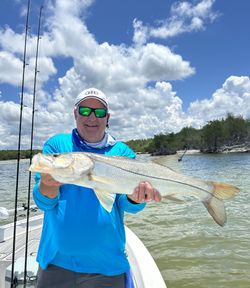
{"x": 144, "y": 269}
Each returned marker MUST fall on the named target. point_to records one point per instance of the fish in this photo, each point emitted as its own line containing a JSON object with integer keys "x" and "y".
{"x": 111, "y": 175}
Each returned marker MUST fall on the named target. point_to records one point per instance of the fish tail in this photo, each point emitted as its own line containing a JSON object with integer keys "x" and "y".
{"x": 216, "y": 209}
{"x": 215, "y": 205}
{"x": 223, "y": 190}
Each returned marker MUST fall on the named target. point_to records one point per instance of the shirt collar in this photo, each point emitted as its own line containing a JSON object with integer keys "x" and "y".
{"x": 107, "y": 140}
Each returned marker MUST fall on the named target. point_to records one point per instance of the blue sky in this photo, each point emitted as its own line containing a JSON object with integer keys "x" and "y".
{"x": 164, "y": 65}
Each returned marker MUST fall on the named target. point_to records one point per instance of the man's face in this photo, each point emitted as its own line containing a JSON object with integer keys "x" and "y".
{"x": 91, "y": 128}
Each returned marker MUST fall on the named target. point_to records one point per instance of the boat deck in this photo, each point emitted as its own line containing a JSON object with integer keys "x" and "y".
{"x": 144, "y": 269}
{"x": 6, "y": 246}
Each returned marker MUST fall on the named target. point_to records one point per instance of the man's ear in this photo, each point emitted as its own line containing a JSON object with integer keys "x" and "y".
{"x": 107, "y": 125}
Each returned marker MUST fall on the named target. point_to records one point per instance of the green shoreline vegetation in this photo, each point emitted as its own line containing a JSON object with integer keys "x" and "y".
{"x": 215, "y": 137}
{"x": 12, "y": 154}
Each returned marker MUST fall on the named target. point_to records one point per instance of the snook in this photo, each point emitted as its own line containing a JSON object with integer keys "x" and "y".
{"x": 110, "y": 175}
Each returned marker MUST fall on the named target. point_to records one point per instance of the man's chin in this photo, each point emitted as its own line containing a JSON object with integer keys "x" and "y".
{"x": 92, "y": 135}
{"x": 91, "y": 129}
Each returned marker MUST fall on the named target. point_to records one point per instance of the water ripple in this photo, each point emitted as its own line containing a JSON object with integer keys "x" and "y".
{"x": 190, "y": 249}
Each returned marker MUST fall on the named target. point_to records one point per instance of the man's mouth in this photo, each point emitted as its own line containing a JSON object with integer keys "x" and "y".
{"x": 90, "y": 126}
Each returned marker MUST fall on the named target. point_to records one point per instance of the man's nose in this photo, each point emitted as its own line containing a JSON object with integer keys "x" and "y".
{"x": 92, "y": 116}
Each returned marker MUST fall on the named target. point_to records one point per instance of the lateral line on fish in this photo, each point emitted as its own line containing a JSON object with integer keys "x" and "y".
{"x": 170, "y": 180}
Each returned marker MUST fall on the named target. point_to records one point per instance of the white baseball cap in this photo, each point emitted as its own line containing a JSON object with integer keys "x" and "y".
{"x": 92, "y": 93}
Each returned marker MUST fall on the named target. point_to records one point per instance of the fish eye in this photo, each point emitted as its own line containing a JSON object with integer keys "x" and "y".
{"x": 56, "y": 155}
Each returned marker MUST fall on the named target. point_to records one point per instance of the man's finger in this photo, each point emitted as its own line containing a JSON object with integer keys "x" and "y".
{"x": 157, "y": 195}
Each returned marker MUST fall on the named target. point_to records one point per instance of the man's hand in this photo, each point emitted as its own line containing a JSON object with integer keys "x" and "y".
{"x": 49, "y": 187}
{"x": 145, "y": 192}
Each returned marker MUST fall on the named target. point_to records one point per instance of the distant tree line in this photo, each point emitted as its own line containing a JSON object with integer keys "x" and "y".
{"x": 215, "y": 136}
{"x": 12, "y": 154}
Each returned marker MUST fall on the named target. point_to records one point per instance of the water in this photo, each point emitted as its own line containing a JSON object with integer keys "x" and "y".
{"x": 189, "y": 248}
{"x": 8, "y": 186}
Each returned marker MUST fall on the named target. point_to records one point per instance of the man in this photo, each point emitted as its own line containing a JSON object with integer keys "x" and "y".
{"x": 83, "y": 245}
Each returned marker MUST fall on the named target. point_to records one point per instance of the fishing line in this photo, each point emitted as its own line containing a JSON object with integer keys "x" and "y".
{"x": 13, "y": 279}
{"x": 31, "y": 148}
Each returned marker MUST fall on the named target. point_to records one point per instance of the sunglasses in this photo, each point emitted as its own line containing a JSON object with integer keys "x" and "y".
{"x": 86, "y": 111}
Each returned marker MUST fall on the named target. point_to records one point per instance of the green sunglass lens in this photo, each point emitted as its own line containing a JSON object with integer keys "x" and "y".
{"x": 100, "y": 113}
{"x": 85, "y": 111}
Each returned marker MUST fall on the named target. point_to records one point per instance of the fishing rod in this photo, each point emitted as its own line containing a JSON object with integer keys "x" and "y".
{"x": 13, "y": 279}
{"x": 31, "y": 148}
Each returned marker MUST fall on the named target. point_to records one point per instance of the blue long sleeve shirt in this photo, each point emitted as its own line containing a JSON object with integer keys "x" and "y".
{"x": 78, "y": 233}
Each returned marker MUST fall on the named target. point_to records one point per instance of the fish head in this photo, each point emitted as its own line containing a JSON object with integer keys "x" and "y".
{"x": 61, "y": 161}
{"x": 72, "y": 168}
{"x": 80, "y": 164}
{"x": 66, "y": 165}
{"x": 41, "y": 163}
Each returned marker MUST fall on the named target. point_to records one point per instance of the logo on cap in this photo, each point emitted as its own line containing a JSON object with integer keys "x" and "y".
{"x": 91, "y": 92}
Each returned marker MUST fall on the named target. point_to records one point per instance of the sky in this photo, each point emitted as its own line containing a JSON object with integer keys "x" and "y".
{"x": 163, "y": 65}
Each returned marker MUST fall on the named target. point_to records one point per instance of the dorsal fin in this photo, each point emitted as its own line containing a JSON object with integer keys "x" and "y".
{"x": 170, "y": 161}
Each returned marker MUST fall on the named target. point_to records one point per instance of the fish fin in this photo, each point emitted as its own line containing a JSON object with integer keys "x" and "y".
{"x": 223, "y": 190}
{"x": 216, "y": 209}
{"x": 99, "y": 179}
{"x": 215, "y": 205}
{"x": 169, "y": 161}
{"x": 172, "y": 197}
{"x": 106, "y": 199}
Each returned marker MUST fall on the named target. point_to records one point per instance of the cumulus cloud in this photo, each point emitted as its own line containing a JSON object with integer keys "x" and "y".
{"x": 232, "y": 97}
{"x": 184, "y": 17}
{"x": 10, "y": 68}
{"x": 135, "y": 78}
{"x": 147, "y": 111}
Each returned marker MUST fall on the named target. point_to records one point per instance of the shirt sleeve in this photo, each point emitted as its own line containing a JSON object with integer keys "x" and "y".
{"x": 43, "y": 202}
{"x": 129, "y": 207}
{"x": 126, "y": 151}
